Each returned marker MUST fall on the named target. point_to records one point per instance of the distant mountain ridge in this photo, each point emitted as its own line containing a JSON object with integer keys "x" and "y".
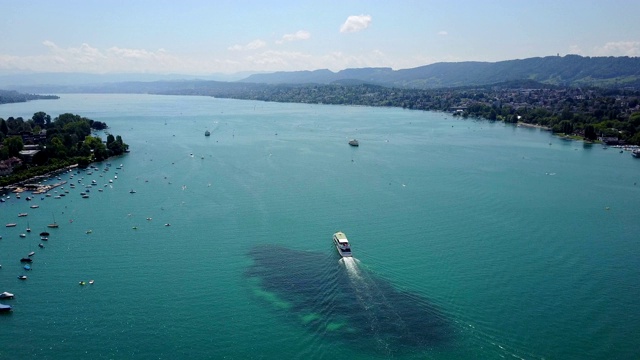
{"x": 569, "y": 70}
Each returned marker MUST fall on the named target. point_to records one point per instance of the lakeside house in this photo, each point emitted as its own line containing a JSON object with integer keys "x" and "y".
{"x": 610, "y": 140}
{"x": 30, "y": 138}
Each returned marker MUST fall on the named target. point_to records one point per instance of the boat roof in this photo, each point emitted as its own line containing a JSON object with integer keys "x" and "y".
{"x": 341, "y": 237}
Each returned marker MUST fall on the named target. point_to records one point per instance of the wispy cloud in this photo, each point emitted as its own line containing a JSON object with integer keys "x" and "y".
{"x": 619, "y": 48}
{"x": 575, "y": 50}
{"x": 356, "y": 23}
{"x": 254, "y": 45}
{"x": 86, "y": 58}
{"x": 298, "y": 35}
{"x": 279, "y": 59}
{"x": 443, "y": 33}
{"x": 118, "y": 59}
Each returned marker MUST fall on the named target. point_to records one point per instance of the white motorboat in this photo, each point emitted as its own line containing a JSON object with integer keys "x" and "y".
{"x": 342, "y": 244}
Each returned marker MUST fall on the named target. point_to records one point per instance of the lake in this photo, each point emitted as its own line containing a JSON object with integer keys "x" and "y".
{"x": 471, "y": 239}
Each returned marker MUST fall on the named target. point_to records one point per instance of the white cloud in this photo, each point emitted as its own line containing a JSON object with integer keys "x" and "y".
{"x": 279, "y": 60}
{"x": 575, "y": 50}
{"x": 619, "y": 48}
{"x": 356, "y": 23}
{"x": 254, "y": 45}
{"x": 118, "y": 59}
{"x": 443, "y": 33}
{"x": 298, "y": 35}
{"x": 86, "y": 58}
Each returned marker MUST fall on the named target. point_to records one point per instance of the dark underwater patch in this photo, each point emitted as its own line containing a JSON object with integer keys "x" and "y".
{"x": 345, "y": 303}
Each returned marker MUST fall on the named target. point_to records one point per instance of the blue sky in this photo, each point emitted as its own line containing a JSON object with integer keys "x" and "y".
{"x": 220, "y": 36}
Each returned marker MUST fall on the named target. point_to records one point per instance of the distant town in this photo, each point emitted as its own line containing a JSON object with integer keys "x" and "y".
{"x": 591, "y": 113}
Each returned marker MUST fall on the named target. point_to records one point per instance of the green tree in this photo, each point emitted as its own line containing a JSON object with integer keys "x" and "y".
{"x": 14, "y": 145}
{"x": 4, "y": 129}
{"x": 41, "y": 118}
{"x": 95, "y": 147}
{"x": 590, "y": 132}
{"x": 56, "y": 148}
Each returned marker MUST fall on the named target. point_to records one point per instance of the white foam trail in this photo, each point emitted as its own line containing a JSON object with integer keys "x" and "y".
{"x": 352, "y": 268}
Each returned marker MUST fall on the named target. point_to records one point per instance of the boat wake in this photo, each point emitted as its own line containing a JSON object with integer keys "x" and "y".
{"x": 343, "y": 301}
{"x": 350, "y": 263}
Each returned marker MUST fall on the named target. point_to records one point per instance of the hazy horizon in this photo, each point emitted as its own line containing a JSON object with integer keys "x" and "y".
{"x": 228, "y": 37}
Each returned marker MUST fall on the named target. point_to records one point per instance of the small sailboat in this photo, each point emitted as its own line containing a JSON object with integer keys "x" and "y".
{"x": 28, "y": 229}
{"x": 54, "y": 224}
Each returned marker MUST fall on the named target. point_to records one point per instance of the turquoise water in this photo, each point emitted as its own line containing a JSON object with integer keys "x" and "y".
{"x": 471, "y": 239}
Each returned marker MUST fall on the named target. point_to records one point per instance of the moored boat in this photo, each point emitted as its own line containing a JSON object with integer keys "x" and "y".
{"x": 342, "y": 244}
{"x": 11, "y": 225}
{"x": 354, "y": 142}
{"x": 5, "y": 308}
{"x": 6, "y": 295}
{"x": 54, "y": 224}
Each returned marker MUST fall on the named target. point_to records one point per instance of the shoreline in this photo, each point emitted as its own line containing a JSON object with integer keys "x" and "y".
{"x": 20, "y": 186}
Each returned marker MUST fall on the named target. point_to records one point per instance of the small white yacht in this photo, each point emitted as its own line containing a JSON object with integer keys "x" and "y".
{"x": 342, "y": 244}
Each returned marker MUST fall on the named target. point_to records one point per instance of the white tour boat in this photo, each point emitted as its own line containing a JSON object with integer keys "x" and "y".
{"x": 342, "y": 244}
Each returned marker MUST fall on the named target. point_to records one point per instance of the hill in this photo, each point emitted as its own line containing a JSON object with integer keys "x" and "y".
{"x": 569, "y": 70}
